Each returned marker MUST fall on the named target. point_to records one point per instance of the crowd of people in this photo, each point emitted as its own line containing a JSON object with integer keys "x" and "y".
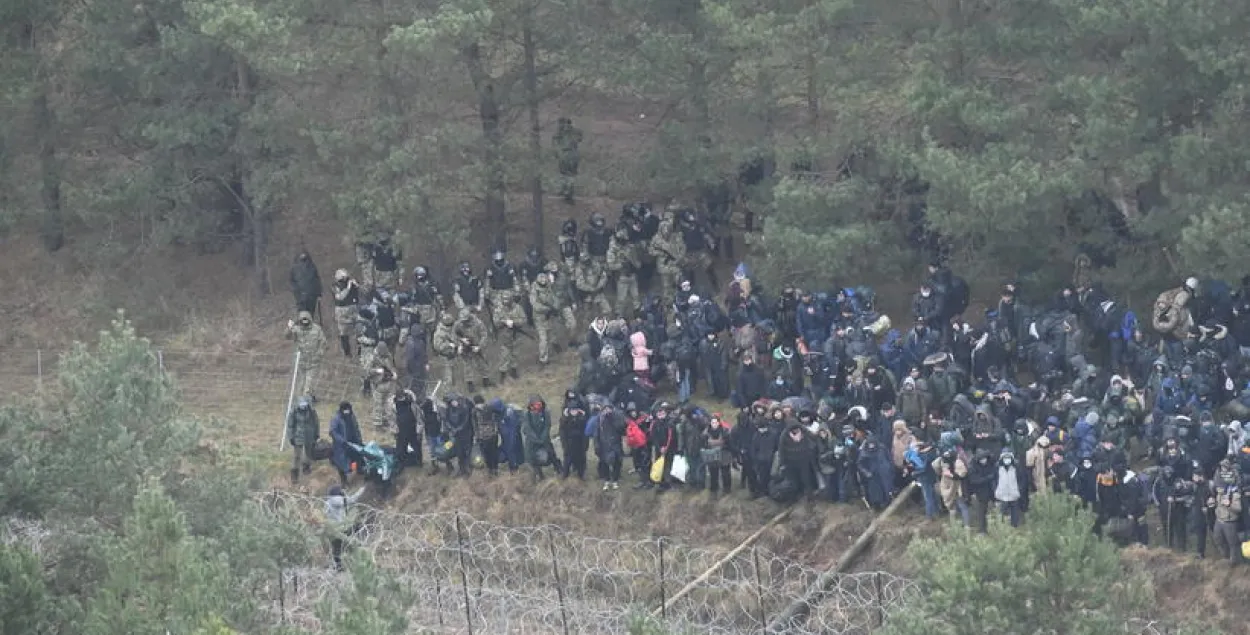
{"x": 807, "y": 393}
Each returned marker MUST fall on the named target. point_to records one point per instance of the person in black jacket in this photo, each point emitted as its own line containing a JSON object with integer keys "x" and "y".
{"x": 305, "y": 283}
{"x": 458, "y": 428}
{"x": 982, "y": 475}
{"x": 763, "y": 445}
{"x": 797, "y": 450}
{"x": 407, "y": 422}
{"x": 573, "y": 440}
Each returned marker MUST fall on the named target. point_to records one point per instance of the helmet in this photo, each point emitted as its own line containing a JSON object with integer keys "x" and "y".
{"x": 1191, "y": 284}
{"x": 596, "y": 220}
{"x": 419, "y": 273}
{"x": 447, "y": 318}
{"x": 569, "y": 228}
{"x": 465, "y": 268}
{"x": 497, "y": 257}
{"x": 340, "y": 275}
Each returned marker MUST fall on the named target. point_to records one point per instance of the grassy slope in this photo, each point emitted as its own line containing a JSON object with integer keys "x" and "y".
{"x": 198, "y": 304}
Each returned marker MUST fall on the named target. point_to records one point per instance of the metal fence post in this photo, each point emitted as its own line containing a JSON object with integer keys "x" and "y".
{"x": 555, "y": 571}
{"x": 663, "y": 595}
{"x": 464, "y": 576}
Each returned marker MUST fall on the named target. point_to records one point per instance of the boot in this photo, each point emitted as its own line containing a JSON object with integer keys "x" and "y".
{"x": 511, "y": 373}
{"x": 470, "y": 387}
{"x": 504, "y": 377}
{"x": 342, "y": 478}
{"x": 345, "y": 342}
{"x": 486, "y": 382}
{"x": 307, "y": 469}
{"x": 294, "y": 476}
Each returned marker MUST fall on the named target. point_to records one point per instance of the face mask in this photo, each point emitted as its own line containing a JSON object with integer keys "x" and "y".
{"x": 924, "y": 294}
{"x": 1007, "y": 462}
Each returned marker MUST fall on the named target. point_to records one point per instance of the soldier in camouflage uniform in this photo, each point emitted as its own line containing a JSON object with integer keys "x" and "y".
{"x": 367, "y": 341}
{"x": 385, "y": 382}
{"x": 670, "y": 254}
{"x": 424, "y": 301}
{"x": 447, "y": 347}
{"x": 591, "y": 280}
{"x": 387, "y": 263}
{"x": 699, "y": 241}
{"x": 624, "y": 261}
{"x": 508, "y": 318}
{"x": 471, "y": 335}
{"x": 570, "y": 249}
{"x": 346, "y": 298}
{"x": 547, "y": 308}
{"x": 501, "y": 280}
{"x": 310, "y": 341}
{"x": 596, "y": 239}
{"x": 386, "y": 316}
{"x": 566, "y": 141}
{"x": 467, "y": 290}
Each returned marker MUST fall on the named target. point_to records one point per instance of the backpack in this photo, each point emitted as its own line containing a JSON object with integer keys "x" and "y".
{"x": 635, "y": 438}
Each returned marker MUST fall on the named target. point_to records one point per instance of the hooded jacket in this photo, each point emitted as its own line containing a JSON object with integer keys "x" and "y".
{"x": 536, "y": 428}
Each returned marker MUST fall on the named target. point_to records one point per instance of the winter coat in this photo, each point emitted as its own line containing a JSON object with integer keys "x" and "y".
{"x": 900, "y": 441}
{"x": 305, "y": 281}
{"x": 875, "y": 474}
{"x": 639, "y": 351}
{"x": 609, "y": 434}
{"x": 536, "y": 429}
{"x": 981, "y": 476}
{"x": 951, "y": 481}
{"x": 302, "y": 427}
{"x": 337, "y": 510}
{"x": 343, "y": 430}
{"x": 1007, "y": 488}
{"x": 1085, "y": 437}
{"x": 1036, "y": 460}
{"x": 913, "y": 404}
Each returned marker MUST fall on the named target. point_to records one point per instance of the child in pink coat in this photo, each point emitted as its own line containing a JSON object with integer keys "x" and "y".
{"x": 640, "y": 353}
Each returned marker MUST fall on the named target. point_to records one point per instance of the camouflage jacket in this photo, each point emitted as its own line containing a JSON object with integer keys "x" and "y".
{"x": 590, "y": 277}
{"x": 623, "y": 257}
{"x": 310, "y": 341}
{"x": 544, "y": 300}
{"x": 472, "y": 329}
{"x": 502, "y": 314}
{"x": 445, "y": 342}
{"x": 667, "y": 246}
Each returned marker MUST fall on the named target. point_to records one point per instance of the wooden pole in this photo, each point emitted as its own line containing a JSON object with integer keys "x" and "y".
{"x": 797, "y": 611}
{"x": 723, "y": 561}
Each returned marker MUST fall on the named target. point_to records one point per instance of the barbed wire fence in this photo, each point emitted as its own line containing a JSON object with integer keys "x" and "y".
{"x": 470, "y": 576}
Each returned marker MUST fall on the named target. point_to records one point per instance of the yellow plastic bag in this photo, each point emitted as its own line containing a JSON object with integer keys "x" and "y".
{"x": 1245, "y": 549}
{"x": 657, "y": 470}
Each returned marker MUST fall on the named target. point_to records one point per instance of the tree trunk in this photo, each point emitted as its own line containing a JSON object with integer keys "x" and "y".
{"x": 536, "y": 131}
{"x": 492, "y": 145}
{"x": 813, "y": 99}
{"x": 256, "y": 230}
{"x": 52, "y": 227}
{"x": 699, "y": 86}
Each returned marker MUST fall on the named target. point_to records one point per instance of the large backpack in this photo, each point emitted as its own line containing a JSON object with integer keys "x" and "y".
{"x": 957, "y": 296}
{"x": 635, "y": 437}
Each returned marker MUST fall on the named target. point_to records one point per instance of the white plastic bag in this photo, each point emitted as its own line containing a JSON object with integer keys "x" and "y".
{"x": 680, "y": 468}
